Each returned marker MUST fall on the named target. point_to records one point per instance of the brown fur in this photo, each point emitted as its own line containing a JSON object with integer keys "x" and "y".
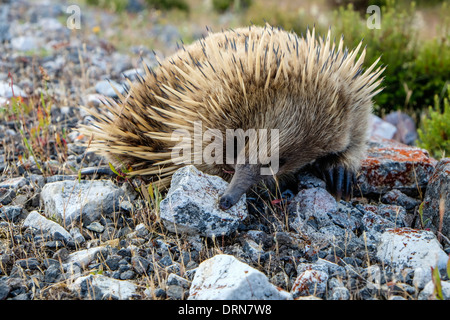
{"x": 313, "y": 90}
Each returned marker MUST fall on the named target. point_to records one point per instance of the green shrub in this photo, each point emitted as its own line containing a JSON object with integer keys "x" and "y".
{"x": 395, "y": 41}
{"x": 430, "y": 72}
{"x": 434, "y": 133}
{"x": 113, "y": 5}
{"x": 416, "y": 69}
{"x": 169, "y": 4}
{"x": 224, "y": 5}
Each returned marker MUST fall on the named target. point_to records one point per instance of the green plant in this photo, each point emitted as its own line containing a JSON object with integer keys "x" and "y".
{"x": 113, "y": 5}
{"x": 434, "y": 133}
{"x": 224, "y": 5}
{"x": 169, "y": 4}
{"x": 430, "y": 72}
{"x": 396, "y": 41}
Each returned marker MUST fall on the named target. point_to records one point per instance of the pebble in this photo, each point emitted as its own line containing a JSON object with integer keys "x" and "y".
{"x": 95, "y": 226}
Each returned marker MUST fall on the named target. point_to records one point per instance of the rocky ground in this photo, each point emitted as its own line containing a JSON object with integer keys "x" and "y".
{"x": 69, "y": 230}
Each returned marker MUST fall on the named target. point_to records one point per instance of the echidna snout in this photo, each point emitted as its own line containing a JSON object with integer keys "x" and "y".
{"x": 245, "y": 176}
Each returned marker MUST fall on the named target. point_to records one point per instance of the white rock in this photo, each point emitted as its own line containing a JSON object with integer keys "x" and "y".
{"x": 421, "y": 277}
{"x": 70, "y": 199}
{"x": 84, "y": 257}
{"x": 403, "y": 248}
{"x": 223, "y": 277}
{"x": 381, "y": 128}
{"x": 25, "y": 43}
{"x": 428, "y": 292}
{"x": 191, "y": 205}
{"x": 105, "y": 87}
{"x": 7, "y": 92}
{"x": 102, "y": 287}
{"x": 46, "y": 226}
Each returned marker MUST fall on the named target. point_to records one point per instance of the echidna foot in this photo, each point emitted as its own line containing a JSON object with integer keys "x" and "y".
{"x": 339, "y": 180}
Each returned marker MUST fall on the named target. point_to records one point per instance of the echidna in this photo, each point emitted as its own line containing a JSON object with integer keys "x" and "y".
{"x": 315, "y": 94}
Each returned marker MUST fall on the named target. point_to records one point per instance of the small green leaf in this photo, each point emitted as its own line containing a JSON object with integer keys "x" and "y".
{"x": 437, "y": 283}
{"x": 114, "y": 170}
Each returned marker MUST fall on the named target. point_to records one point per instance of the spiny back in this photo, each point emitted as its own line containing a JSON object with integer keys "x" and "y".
{"x": 255, "y": 77}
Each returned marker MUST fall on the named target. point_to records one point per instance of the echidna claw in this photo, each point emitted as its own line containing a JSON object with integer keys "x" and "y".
{"x": 339, "y": 181}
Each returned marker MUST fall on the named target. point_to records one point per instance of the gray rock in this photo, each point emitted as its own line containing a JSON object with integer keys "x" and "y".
{"x": 127, "y": 275}
{"x": 140, "y": 264}
{"x": 191, "y": 205}
{"x": 339, "y": 293}
{"x": 392, "y": 213}
{"x": 58, "y": 177}
{"x": 399, "y": 198}
{"x": 223, "y": 277}
{"x": 14, "y": 183}
{"x": 381, "y": 128}
{"x": 29, "y": 263}
{"x": 312, "y": 212}
{"x": 6, "y": 196}
{"x": 52, "y": 273}
{"x": 10, "y": 213}
{"x": 86, "y": 200}
{"x": 174, "y": 279}
{"x": 437, "y": 199}
{"x": 96, "y": 227}
{"x": 372, "y": 222}
{"x": 306, "y": 180}
{"x": 141, "y": 230}
{"x": 46, "y": 227}
{"x": 175, "y": 292}
{"x": 4, "y": 290}
{"x": 78, "y": 238}
{"x": 254, "y": 251}
{"x": 37, "y": 180}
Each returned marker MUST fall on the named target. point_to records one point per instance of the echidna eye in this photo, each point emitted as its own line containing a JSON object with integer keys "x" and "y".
{"x": 282, "y": 161}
